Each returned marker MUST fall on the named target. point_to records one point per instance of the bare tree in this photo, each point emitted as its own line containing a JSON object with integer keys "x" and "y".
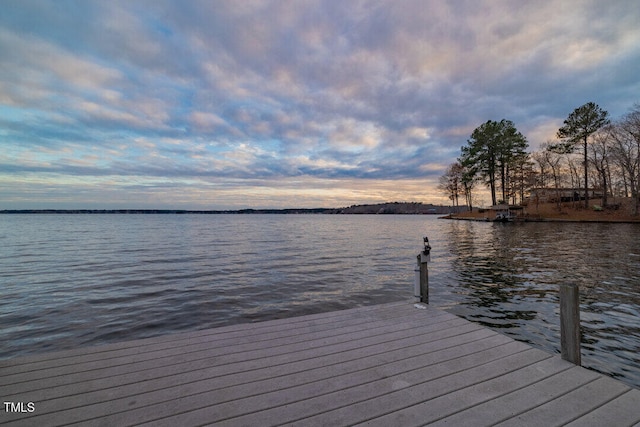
{"x": 520, "y": 177}
{"x": 574, "y": 175}
{"x": 626, "y": 151}
{"x": 599, "y": 156}
{"x": 451, "y": 182}
{"x": 469, "y": 180}
{"x": 543, "y": 166}
{"x": 554, "y": 159}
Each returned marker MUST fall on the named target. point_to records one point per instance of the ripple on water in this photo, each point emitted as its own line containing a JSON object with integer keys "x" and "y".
{"x": 72, "y": 280}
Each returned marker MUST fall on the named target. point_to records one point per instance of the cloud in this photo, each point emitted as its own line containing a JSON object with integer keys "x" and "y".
{"x": 227, "y": 100}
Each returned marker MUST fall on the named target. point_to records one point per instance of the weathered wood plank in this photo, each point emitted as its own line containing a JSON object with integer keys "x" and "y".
{"x": 157, "y": 404}
{"x": 572, "y": 405}
{"x": 253, "y": 334}
{"x": 217, "y": 378}
{"x": 249, "y": 362}
{"x": 511, "y": 404}
{"x": 355, "y": 403}
{"x": 458, "y": 400}
{"x": 304, "y": 387}
{"x": 399, "y": 400}
{"x": 381, "y": 365}
{"x": 623, "y": 410}
{"x": 237, "y": 334}
{"x": 137, "y": 370}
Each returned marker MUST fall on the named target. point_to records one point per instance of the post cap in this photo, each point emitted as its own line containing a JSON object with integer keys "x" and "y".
{"x": 427, "y": 246}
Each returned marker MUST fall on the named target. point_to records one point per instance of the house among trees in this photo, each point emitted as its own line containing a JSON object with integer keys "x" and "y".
{"x": 591, "y": 151}
{"x": 548, "y": 195}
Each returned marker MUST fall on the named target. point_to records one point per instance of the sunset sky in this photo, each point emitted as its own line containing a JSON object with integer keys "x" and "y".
{"x": 275, "y": 104}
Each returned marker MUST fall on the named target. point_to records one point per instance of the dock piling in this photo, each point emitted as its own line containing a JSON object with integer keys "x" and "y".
{"x": 570, "y": 323}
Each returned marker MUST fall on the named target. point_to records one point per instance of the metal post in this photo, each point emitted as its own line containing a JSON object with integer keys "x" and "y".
{"x": 417, "y": 288}
{"x": 570, "y": 323}
{"x": 424, "y": 279}
{"x": 423, "y": 258}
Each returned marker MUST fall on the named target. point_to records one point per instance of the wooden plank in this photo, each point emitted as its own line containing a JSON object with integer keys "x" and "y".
{"x": 510, "y": 404}
{"x": 381, "y": 365}
{"x": 248, "y": 362}
{"x": 400, "y": 400}
{"x": 247, "y": 330}
{"x": 351, "y": 404}
{"x": 573, "y": 405}
{"x": 136, "y": 370}
{"x": 253, "y": 395}
{"x": 624, "y": 407}
{"x": 237, "y": 333}
{"x": 251, "y": 336}
{"x": 239, "y": 374}
{"x": 153, "y": 405}
{"x": 307, "y": 385}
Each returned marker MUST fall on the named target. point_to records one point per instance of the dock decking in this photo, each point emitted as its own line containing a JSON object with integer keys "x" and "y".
{"x": 384, "y": 365}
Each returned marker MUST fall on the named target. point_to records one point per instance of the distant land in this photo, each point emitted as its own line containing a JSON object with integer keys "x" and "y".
{"x": 395, "y": 208}
{"x": 392, "y": 208}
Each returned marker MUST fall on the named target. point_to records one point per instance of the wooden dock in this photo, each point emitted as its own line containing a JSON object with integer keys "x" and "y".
{"x": 384, "y": 365}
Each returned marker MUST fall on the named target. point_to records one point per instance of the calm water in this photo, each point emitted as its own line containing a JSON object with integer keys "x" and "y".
{"x": 78, "y": 280}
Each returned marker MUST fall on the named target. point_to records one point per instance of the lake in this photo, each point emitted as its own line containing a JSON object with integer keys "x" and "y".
{"x": 79, "y": 280}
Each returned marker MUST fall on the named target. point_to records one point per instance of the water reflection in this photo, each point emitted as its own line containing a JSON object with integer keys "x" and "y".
{"x": 508, "y": 276}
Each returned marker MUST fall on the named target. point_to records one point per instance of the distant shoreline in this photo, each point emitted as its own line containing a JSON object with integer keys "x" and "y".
{"x": 394, "y": 208}
{"x": 157, "y": 211}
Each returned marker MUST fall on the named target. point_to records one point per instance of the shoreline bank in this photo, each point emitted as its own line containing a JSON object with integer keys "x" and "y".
{"x": 595, "y": 221}
{"x": 619, "y": 212}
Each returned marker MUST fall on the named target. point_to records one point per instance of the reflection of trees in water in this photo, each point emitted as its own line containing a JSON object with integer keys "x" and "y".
{"x": 496, "y": 262}
{"x": 492, "y": 266}
{"x": 492, "y": 276}
{"x": 508, "y": 277}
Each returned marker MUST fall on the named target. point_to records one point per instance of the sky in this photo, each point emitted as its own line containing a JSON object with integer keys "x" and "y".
{"x": 276, "y": 104}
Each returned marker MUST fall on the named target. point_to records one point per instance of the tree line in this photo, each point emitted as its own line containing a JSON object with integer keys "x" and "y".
{"x": 590, "y": 152}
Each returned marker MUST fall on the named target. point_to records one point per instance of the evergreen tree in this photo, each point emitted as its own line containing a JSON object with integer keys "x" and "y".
{"x": 491, "y": 151}
{"x": 578, "y": 127}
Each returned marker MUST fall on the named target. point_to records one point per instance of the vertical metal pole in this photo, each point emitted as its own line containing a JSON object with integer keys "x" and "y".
{"x": 570, "y": 323}
{"x": 424, "y": 279}
{"x": 417, "y": 288}
{"x": 421, "y": 278}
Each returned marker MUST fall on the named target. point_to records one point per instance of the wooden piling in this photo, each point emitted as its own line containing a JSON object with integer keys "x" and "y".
{"x": 570, "y": 323}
